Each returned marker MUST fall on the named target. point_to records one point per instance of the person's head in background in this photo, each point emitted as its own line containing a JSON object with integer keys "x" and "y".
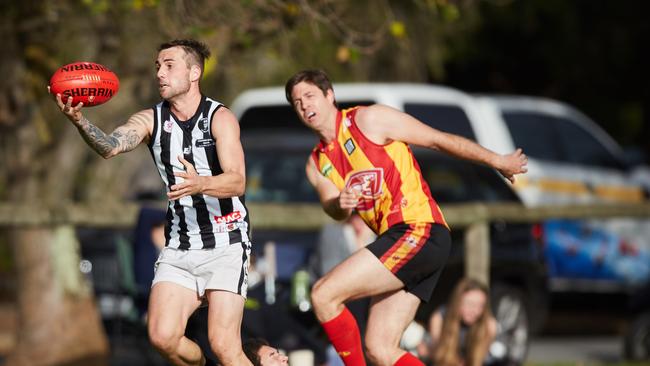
{"x": 260, "y": 353}
{"x": 469, "y": 308}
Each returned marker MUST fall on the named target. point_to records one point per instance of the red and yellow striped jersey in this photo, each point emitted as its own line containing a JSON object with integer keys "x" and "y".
{"x": 392, "y": 188}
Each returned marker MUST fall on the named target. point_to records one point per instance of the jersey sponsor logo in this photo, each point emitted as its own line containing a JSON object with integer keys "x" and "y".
{"x": 369, "y": 184}
{"x": 168, "y": 125}
{"x": 231, "y": 217}
{"x": 327, "y": 169}
{"x": 187, "y": 150}
{"x": 204, "y": 143}
{"x": 203, "y": 124}
{"x": 349, "y": 146}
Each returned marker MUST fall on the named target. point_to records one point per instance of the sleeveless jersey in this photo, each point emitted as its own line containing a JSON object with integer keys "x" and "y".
{"x": 392, "y": 188}
{"x": 199, "y": 221}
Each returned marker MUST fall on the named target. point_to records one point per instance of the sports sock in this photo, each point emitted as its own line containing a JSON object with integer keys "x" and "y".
{"x": 343, "y": 332}
{"x": 408, "y": 359}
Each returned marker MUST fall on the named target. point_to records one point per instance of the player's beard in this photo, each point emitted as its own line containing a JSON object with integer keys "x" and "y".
{"x": 172, "y": 92}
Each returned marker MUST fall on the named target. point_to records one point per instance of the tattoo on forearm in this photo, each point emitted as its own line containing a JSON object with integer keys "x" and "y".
{"x": 96, "y": 138}
{"x": 103, "y": 144}
{"x": 127, "y": 140}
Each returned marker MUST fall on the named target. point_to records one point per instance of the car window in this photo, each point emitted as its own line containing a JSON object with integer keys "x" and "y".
{"x": 557, "y": 139}
{"x": 536, "y": 134}
{"x": 448, "y": 118}
{"x": 272, "y": 116}
{"x": 582, "y": 148}
{"x": 274, "y": 175}
{"x": 280, "y": 116}
{"x": 455, "y": 181}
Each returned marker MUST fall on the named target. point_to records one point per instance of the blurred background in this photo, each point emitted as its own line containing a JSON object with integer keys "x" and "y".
{"x": 71, "y": 291}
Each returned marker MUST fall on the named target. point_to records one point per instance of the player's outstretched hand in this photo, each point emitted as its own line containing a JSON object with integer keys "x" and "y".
{"x": 73, "y": 113}
{"x": 191, "y": 185}
{"x": 513, "y": 163}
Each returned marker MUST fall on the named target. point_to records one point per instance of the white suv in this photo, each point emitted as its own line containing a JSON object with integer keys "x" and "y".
{"x": 571, "y": 160}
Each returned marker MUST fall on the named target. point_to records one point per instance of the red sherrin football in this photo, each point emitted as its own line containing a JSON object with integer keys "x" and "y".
{"x": 87, "y": 82}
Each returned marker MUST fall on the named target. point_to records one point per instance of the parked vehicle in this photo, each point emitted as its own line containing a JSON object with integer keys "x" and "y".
{"x": 571, "y": 161}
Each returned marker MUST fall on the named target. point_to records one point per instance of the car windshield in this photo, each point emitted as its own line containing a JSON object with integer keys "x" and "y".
{"x": 455, "y": 181}
{"x": 282, "y": 116}
{"x": 275, "y": 165}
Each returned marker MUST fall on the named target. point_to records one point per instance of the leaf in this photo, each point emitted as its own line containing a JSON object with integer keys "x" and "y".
{"x": 210, "y": 66}
{"x": 397, "y": 29}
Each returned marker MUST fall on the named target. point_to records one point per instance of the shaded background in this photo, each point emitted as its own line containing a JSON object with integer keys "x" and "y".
{"x": 591, "y": 54}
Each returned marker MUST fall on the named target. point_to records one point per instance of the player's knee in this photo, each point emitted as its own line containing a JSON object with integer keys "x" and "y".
{"x": 225, "y": 349}
{"x": 163, "y": 339}
{"x": 319, "y": 294}
{"x": 377, "y": 352}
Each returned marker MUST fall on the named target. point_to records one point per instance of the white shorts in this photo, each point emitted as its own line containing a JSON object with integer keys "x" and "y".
{"x": 224, "y": 268}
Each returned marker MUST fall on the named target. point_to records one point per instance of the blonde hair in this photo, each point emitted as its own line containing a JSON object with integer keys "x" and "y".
{"x": 477, "y": 339}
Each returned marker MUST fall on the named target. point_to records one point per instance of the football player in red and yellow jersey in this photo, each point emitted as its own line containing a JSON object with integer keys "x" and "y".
{"x": 363, "y": 162}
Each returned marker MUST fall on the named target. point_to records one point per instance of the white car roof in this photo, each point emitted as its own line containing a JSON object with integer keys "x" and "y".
{"x": 393, "y": 94}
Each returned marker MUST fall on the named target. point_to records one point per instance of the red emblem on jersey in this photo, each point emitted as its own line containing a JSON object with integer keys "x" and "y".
{"x": 369, "y": 184}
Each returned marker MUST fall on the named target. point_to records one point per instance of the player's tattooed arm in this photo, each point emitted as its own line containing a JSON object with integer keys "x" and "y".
{"x": 125, "y": 138}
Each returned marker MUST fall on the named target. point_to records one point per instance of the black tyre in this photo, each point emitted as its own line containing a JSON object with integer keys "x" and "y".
{"x": 636, "y": 344}
{"x": 510, "y": 309}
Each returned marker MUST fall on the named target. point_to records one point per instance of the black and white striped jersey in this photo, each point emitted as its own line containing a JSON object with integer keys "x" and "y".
{"x": 199, "y": 221}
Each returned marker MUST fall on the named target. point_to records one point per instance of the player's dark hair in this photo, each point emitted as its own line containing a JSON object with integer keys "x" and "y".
{"x": 312, "y": 76}
{"x": 251, "y": 348}
{"x": 195, "y": 49}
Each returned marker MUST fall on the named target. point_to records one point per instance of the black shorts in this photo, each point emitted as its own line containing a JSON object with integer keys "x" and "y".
{"x": 415, "y": 253}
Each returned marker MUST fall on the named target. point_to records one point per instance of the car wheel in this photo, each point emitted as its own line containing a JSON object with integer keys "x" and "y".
{"x": 636, "y": 344}
{"x": 511, "y": 312}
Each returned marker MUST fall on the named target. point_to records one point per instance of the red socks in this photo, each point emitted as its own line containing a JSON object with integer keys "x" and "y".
{"x": 408, "y": 360}
{"x": 343, "y": 332}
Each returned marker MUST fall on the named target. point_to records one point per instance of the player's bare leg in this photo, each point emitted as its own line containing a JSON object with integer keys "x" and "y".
{"x": 361, "y": 275}
{"x": 389, "y": 316}
{"x": 225, "y": 313}
{"x": 170, "y": 306}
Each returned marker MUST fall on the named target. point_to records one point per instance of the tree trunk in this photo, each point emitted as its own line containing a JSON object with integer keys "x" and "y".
{"x": 57, "y": 319}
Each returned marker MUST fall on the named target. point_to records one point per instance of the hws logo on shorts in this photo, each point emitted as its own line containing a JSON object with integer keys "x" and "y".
{"x": 369, "y": 183}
